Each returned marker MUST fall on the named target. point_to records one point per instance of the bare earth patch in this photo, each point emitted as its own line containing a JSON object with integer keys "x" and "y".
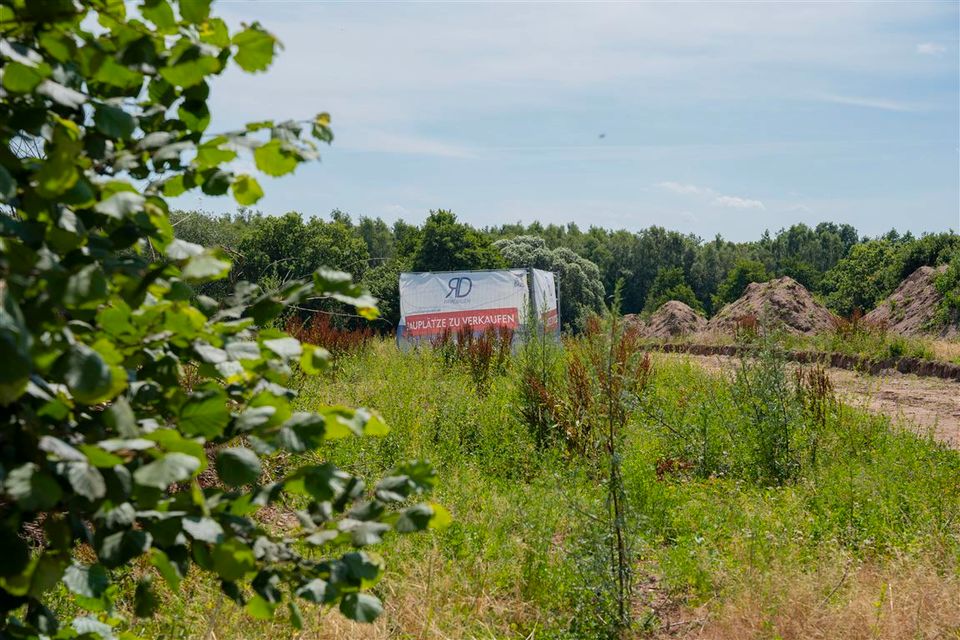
{"x": 674, "y": 319}
{"x": 912, "y": 307}
{"x": 783, "y": 303}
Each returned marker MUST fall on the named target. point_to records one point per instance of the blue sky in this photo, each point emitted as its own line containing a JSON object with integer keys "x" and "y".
{"x": 708, "y": 118}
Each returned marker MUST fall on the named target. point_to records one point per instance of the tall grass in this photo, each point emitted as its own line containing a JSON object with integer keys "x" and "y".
{"x": 755, "y": 505}
{"x": 854, "y": 336}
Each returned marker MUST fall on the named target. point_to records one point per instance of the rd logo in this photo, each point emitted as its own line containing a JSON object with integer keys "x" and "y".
{"x": 460, "y": 287}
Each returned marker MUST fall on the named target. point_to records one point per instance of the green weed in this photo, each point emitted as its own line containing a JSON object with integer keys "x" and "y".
{"x": 726, "y": 481}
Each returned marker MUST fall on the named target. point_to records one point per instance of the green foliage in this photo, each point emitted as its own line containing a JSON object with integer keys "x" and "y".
{"x": 539, "y": 370}
{"x": 671, "y": 284}
{"x": 803, "y": 253}
{"x": 119, "y": 377}
{"x": 581, "y": 291}
{"x": 526, "y": 537}
{"x": 948, "y": 284}
{"x": 874, "y": 268}
{"x": 379, "y": 238}
{"x": 448, "y": 245}
{"x": 285, "y": 247}
{"x": 931, "y": 249}
{"x": 382, "y": 281}
{"x": 803, "y": 272}
{"x": 743, "y": 273}
{"x": 522, "y": 533}
{"x": 635, "y": 259}
{"x": 862, "y": 279}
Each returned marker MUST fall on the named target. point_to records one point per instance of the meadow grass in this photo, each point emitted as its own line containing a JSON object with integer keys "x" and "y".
{"x": 756, "y": 508}
{"x": 848, "y": 337}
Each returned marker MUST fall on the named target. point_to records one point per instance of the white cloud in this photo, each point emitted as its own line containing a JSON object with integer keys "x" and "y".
{"x": 735, "y": 202}
{"x": 685, "y": 189}
{"x": 931, "y": 49}
{"x": 376, "y": 141}
{"x": 734, "y": 89}
{"x": 719, "y": 199}
{"x": 873, "y": 103}
{"x": 402, "y": 63}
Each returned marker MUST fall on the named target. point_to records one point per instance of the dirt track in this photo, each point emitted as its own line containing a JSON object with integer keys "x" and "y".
{"x": 920, "y": 403}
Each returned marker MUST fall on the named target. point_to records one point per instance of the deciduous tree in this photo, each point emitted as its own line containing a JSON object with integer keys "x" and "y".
{"x": 119, "y": 383}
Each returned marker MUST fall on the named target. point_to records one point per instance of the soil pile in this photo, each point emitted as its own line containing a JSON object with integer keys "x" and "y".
{"x": 674, "y": 319}
{"x": 910, "y": 310}
{"x": 633, "y": 322}
{"x": 783, "y": 303}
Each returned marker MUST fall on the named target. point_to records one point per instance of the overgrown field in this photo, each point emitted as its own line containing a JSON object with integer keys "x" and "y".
{"x": 754, "y": 507}
{"x": 849, "y": 338}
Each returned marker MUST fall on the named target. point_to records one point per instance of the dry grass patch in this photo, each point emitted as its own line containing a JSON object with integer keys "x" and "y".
{"x": 899, "y": 599}
{"x": 425, "y": 598}
{"x": 946, "y": 350}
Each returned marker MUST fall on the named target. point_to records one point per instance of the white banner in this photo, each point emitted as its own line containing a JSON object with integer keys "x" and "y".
{"x": 545, "y": 300}
{"x": 431, "y": 303}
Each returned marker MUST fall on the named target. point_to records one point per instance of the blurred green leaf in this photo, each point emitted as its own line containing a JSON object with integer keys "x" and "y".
{"x": 86, "y": 374}
{"x": 159, "y": 13}
{"x": 195, "y": 11}
{"x": 232, "y": 560}
{"x": 8, "y": 186}
{"x": 254, "y": 48}
{"x": 206, "y": 266}
{"x": 212, "y": 153}
{"x": 284, "y": 347}
{"x": 170, "y": 468}
{"x": 191, "y": 72}
{"x": 246, "y": 190}
{"x": 113, "y": 122}
{"x": 88, "y": 581}
{"x": 273, "y": 159}
{"x": 121, "y": 205}
{"x": 238, "y": 466}
{"x": 361, "y": 607}
{"x": 32, "y": 487}
{"x": 260, "y": 609}
{"x": 86, "y": 480}
{"x": 203, "y": 529}
{"x": 21, "y": 78}
{"x": 215, "y": 32}
{"x": 85, "y": 288}
{"x": 205, "y": 414}
{"x": 167, "y": 569}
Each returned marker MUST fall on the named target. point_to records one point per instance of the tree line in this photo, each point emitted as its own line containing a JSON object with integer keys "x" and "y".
{"x": 844, "y": 269}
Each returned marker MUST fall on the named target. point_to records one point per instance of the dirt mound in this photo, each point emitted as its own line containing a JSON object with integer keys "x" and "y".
{"x": 633, "y": 321}
{"x": 674, "y": 319}
{"x": 783, "y": 303}
{"x": 910, "y": 309}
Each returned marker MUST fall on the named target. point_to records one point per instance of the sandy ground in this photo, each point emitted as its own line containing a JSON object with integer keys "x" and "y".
{"x": 927, "y": 405}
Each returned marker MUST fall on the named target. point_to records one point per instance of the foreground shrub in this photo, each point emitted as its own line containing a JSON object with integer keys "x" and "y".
{"x": 104, "y": 435}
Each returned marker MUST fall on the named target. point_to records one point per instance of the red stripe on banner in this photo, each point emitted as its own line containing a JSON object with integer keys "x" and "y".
{"x": 549, "y": 319}
{"x": 424, "y": 324}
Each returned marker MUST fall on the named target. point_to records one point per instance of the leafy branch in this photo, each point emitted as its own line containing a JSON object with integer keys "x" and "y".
{"x": 121, "y": 383}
